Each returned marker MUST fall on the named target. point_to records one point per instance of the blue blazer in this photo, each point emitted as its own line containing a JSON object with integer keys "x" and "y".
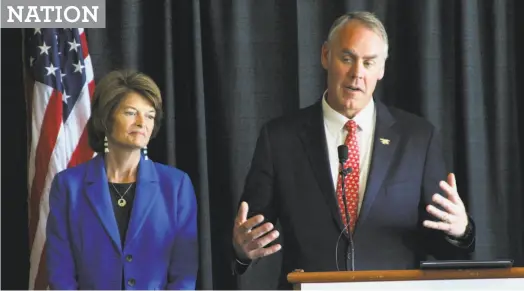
{"x": 83, "y": 248}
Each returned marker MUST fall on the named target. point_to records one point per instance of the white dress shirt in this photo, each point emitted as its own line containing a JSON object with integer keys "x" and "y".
{"x": 336, "y": 135}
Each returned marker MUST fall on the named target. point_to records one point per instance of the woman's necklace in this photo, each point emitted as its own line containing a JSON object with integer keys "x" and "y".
{"x": 122, "y": 202}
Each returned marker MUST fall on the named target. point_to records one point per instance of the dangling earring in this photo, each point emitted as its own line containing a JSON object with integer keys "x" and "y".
{"x": 145, "y": 153}
{"x": 106, "y": 148}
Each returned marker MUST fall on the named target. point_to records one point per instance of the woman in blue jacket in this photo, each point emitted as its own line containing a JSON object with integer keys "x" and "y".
{"x": 120, "y": 220}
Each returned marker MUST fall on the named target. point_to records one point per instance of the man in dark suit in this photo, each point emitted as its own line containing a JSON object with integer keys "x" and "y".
{"x": 393, "y": 212}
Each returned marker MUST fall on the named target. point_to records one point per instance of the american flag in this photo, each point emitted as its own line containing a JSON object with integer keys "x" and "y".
{"x": 60, "y": 84}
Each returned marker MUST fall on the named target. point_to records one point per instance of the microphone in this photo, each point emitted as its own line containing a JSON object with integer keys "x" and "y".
{"x": 342, "y": 158}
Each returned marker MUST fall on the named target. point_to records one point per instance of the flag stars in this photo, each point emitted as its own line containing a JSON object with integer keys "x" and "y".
{"x": 44, "y": 49}
{"x": 73, "y": 45}
{"x": 78, "y": 67}
{"x": 52, "y": 56}
{"x": 65, "y": 97}
{"x": 51, "y": 70}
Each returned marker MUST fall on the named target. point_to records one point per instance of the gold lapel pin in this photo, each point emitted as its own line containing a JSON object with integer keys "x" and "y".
{"x": 384, "y": 141}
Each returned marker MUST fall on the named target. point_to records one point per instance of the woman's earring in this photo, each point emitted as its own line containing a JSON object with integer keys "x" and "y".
{"x": 106, "y": 148}
{"x": 145, "y": 153}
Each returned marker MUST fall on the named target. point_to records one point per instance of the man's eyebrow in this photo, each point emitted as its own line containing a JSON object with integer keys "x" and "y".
{"x": 352, "y": 54}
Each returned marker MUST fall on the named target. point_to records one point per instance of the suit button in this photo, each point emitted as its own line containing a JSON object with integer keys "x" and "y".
{"x": 129, "y": 258}
{"x": 131, "y": 282}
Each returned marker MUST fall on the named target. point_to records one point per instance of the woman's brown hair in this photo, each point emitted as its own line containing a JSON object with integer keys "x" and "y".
{"x": 109, "y": 92}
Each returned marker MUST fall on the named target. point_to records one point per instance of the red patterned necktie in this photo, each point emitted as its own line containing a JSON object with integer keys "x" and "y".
{"x": 351, "y": 180}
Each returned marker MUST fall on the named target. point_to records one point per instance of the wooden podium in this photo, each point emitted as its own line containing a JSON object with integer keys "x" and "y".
{"x": 463, "y": 279}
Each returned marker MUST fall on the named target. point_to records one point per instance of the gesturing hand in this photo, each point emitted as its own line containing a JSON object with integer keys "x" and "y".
{"x": 454, "y": 219}
{"x": 249, "y": 239}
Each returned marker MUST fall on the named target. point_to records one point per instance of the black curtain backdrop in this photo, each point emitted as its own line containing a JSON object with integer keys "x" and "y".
{"x": 226, "y": 67}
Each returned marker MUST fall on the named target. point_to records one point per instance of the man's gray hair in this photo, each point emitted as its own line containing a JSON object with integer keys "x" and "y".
{"x": 368, "y": 19}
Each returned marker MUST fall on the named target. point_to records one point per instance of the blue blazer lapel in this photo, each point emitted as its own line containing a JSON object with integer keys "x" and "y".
{"x": 98, "y": 195}
{"x": 147, "y": 190}
{"x": 382, "y": 155}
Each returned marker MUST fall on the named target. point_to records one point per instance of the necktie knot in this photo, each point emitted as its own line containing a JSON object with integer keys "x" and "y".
{"x": 351, "y": 126}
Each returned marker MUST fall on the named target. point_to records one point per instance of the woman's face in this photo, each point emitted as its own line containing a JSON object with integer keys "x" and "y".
{"x": 133, "y": 123}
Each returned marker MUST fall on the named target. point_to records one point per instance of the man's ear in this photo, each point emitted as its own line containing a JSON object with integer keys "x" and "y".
{"x": 382, "y": 71}
{"x": 381, "y": 75}
{"x": 324, "y": 55}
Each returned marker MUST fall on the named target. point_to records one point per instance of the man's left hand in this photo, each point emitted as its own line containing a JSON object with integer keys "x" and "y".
{"x": 454, "y": 219}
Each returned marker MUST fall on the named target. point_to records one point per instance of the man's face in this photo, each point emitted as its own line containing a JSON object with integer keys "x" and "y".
{"x": 354, "y": 59}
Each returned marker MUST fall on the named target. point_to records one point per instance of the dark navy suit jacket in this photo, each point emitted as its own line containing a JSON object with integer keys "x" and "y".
{"x": 290, "y": 180}
{"x": 83, "y": 247}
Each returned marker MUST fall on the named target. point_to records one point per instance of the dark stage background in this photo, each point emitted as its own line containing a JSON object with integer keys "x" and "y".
{"x": 226, "y": 67}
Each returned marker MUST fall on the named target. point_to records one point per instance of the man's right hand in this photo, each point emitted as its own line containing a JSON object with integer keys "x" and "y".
{"x": 249, "y": 242}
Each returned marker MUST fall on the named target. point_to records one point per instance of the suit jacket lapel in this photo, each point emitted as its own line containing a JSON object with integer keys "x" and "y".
{"x": 147, "y": 190}
{"x": 382, "y": 155}
{"x": 313, "y": 139}
{"x": 98, "y": 195}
